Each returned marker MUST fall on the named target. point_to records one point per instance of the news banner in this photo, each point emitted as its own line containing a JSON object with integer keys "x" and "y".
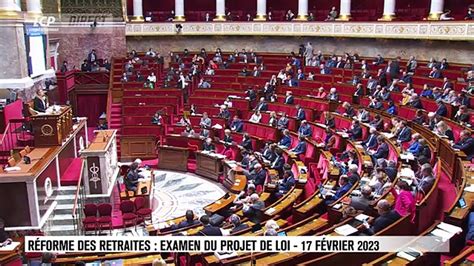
{"x": 111, "y": 244}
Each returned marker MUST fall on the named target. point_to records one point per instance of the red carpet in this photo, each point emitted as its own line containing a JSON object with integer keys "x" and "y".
{"x": 71, "y": 175}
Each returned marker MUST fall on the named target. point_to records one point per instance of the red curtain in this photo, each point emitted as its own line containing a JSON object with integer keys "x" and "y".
{"x": 91, "y": 106}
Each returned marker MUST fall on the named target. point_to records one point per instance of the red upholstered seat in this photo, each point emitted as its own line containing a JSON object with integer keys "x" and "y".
{"x": 90, "y": 221}
{"x": 105, "y": 216}
{"x": 141, "y": 210}
{"x": 129, "y": 217}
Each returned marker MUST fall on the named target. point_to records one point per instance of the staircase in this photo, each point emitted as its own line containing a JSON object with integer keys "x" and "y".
{"x": 60, "y": 223}
{"x": 116, "y": 122}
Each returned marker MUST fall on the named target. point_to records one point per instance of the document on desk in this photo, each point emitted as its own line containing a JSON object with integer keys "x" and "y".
{"x": 10, "y": 247}
{"x": 346, "y": 230}
{"x": 449, "y": 228}
{"x": 443, "y": 234}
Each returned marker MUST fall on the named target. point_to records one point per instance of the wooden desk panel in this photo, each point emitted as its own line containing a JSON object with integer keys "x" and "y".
{"x": 208, "y": 166}
{"x": 173, "y": 158}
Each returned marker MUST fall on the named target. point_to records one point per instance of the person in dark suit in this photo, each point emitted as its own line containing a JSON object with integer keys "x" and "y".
{"x": 305, "y": 129}
{"x": 435, "y": 73}
{"x": 285, "y": 141}
{"x": 40, "y": 102}
{"x": 246, "y": 142}
{"x": 442, "y": 110}
{"x": 394, "y": 69}
{"x": 262, "y": 106}
{"x": 329, "y": 120}
{"x": 355, "y": 133}
{"x": 387, "y": 216}
{"x": 258, "y": 175}
{"x": 353, "y": 173}
{"x": 363, "y": 201}
{"x": 92, "y": 57}
{"x": 371, "y": 142}
{"x": 419, "y": 117}
{"x": 382, "y": 78}
{"x": 237, "y": 125}
{"x": 300, "y": 147}
{"x": 404, "y": 134}
{"x": 382, "y": 149}
{"x": 378, "y": 60}
{"x": 208, "y": 230}
{"x": 279, "y": 161}
{"x": 254, "y": 210}
{"x": 447, "y": 84}
{"x": 292, "y": 82}
{"x": 268, "y": 152}
{"x": 227, "y": 137}
{"x": 131, "y": 180}
{"x": 344, "y": 187}
{"x": 289, "y": 99}
{"x": 208, "y": 146}
{"x": 462, "y": 115}
{"x": 190, "y": 221}
{"x": 251, "y": 94}
{"x": 377, "y": 123}
{"x": 287, "y": 183}
{"x": 283, "y": 122}
{"x": 237, "y": 225}
{"x": 300, "y": 113}
{"x": 465, "y": 144}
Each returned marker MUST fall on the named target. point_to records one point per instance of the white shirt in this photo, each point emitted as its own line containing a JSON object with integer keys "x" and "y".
{"x": 151, "y": 78}
{"x": 255, "y": 118}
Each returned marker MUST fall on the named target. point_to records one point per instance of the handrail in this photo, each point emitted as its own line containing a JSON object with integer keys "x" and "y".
{"x": 76, "y": 197}
{"x": 7, "y": 129}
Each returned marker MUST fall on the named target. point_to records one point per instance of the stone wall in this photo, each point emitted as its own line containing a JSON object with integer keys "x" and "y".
{"x": 455, "y": 51}
{"x": 76, "y": 42}
{"x": 13, "y": 64}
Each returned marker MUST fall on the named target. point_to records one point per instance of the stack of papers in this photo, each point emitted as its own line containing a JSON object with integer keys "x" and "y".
{"x": 362, "y": 217}
{"x": 407, "y": 156}
{"x": 345, "y": 230}
{"x": 12, "y": 169}
{"x": 444, "y": 235}
{"x": 449, "y": 228}
{"x": 469, "y": 188}
{"x": 406, "y": 172}
{"x": 270, "y": 211}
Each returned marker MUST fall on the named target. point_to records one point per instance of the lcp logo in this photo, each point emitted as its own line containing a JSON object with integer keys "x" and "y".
{"x": 44, "y": 21}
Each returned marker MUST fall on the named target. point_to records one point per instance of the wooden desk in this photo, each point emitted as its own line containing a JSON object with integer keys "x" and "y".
{"x": 51, "y": 128}
{"x": 209, "y": 165}
{"x": 173, "y": 158}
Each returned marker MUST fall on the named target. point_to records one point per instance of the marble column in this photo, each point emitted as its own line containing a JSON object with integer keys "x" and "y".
{"x": 179, "y": 10}
{"x": 9, "y": 9}
{"x": 388, "y": 10}
{"x": 33, "y": 6}
{"x": 302, "y": 10}
{"x": 137, "y": 11}
{"x": 261, "y": 10}
{"x": 220, "y": 10}
{"x": 436, "y": 9}
{"x": 345, "y": 12}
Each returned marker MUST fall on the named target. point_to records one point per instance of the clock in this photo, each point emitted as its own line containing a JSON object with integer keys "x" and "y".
{"x": 47, "y": 130}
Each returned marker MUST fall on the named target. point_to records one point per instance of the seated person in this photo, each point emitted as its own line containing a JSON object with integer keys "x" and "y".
{"x": 190, "y": 221}
{"x": 256, "y": 117}
{"x": 157, "y": 119}
{"x": 415, "y": 147}
{"x": 188, "y": 131}
{"x": 257, "y": 176}
{"x": 254, "y": 210}
{"x": 332, "y": 196}
{"x": 287, "y": 183}
{"x": 208, "y": 146}
{"x": 227, "y": 137}
{"x": 329, "y": 120}
{"x": 355, "y": 132}
{"x": 353, "y": 173}
{"x": 131, "y": 180}
{"x": 246, "y": 142}
{"x": 4, "y": 237}
{"x": 208, "y": 230}
{"x": 377, "y": 123}
{"x": 227, "y": 151}
{"x": 300, "y": 147}
{"x": 268, "y": 152}
{"x": 279, "y": 161}
{"x": 425, "y": 180}
{"x": 382, "y": 149}
{"x": 283, "y": 122}
{"x": 363, "y": 201}
{"x": 236, "y": 125}
{"x": 285, "y": 141}
{"x": 465, "y": 144}
{"x": 329, "y": 140}
{"x": 243, "y": 197}
{"x": 387, "y": 216}
{"x": 404, "y": 133}
{"x": 371, "y": 142}
{"x": 305, "y": 129}
{"x": 237, "y": 225}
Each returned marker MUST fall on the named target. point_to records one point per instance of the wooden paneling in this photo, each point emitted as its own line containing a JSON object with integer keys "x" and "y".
{"x": 142, "y": 147}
